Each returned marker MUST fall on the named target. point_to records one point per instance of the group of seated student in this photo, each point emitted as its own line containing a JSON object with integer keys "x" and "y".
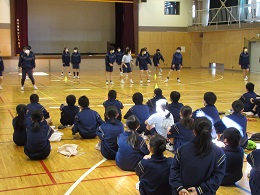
{"x": 175, "y": 127}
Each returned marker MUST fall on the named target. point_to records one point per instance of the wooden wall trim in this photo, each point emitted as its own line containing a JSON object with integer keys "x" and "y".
{"x": 5, "y": 26}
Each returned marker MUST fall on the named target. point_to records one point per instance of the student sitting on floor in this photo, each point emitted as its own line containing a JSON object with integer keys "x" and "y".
{"x": 154, "y": 172}
{"x": 38, "y": 133}
{"x": 151, "y": 103}
{"x": 19, "y": 125}
{"x": 236, "y": 120}
{"x": 181, "y": 132}
{"x": 140, "y": 110}
{"x": 175, "y": 107}
{"x": 87, "y": 121}
{"x": 234, "y": 156}
{"x": 108, "y": 133}
{"x": 254, "y": 160}
{"x": 245, "y": 98}
{"x": 35, "y": 105}
{"x": 131, "y": 147}
{"x": 68, "y": 112}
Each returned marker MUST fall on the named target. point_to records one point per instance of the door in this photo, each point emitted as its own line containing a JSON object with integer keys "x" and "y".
{"x": 255, "y": 57}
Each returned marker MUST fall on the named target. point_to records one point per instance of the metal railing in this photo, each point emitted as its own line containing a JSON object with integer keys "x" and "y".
{"x": 226, "y": 15}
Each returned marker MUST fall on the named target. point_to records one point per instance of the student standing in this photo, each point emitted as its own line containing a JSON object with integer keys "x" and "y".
{"x": 244, "y": 62}
{"x": 112, "y": 101}
{"x": 108, "y": 133}
{"x": 131, "y": 147}
{"x": 65, "y": 61}
{"x": 175, "y": 107}
{"x": 200, "y": 159}
{"x": 176, "y": 65}
{"x": 110, "y": 60}
{"x": 156, "y": 61}
{"x": 19, "y": 125}
{"x": 1, "y": 71}
{"x": 254, "y": 182}
{"x": 140, "y": 110}
{"x": 87, "y": 121}
{"x": 75, "y": 60}
{"x": 143, "y": 60}
{"x": 127, "y": 61}
{"x": 27, "y": 63}
{"x": 119, "y": 56}
{"x": 234, "y": 156}
{"x": 154, "y": 172}
{"x": 38, "y": 133}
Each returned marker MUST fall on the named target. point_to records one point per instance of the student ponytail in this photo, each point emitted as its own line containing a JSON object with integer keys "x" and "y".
{"x": 203, "y": 141}
{"x": 21, "y": 110}
{"x": 112, "y": 113}
{"x": 37, "y": 117}
{"x": 186, "y": 120}
{"x": 133, "y": 123}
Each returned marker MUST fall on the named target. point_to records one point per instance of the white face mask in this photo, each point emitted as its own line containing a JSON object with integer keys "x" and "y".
{"x": 130, "y": 53}
{"x": 245, "y": 50}
{"x": 27, "y": 51}
{"x": 144, "y": 52}
{"x": 66, "y": 50}
{"x": 75, "y": 51}
{"x": 113, "y": 51}
{"x": 178, "y": 51}
{"x": 119, "y": 50}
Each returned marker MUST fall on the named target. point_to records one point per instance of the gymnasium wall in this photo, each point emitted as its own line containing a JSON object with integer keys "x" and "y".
{"x": 56, "y": 24}
{"x": 151, "y": 13}
{"x": 5, "y": 28}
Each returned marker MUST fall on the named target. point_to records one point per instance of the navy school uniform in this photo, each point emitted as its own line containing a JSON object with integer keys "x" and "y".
{"x": 175, "y": 109}
{"x": 37, "y": 106}
{"x": 110, "y": 59}
{"x": 20, "y": 134}
{"x": 236, "y": 120}
{"x": 156, "y": 58}
{"x": 151, "y": 103}
{"x": 245, "y": 98}
{"x": 154, "y": 174}
{"x": 244, "y": 60}
{"x": 177, "y": 60}
{"x": 128, "y": 157}
{"x": 75, "y": 60}
{"x": 142, "y": 113}
{"x": 234, "y": 165}
{"x": 117, "y": 104}
{"x": 68, "y": 114}
{"x": 38, "y": 145}
{"x": 208, "y": 170}
{"x": 143, "y": 61}
{"x": 20, "y": 59}
{"x": 181, "y": 135}
{"x": 254, "y": 160}
{"x": 27, "y": 61}
{"x": 108, "y": 134}
{"x": 1, "y": 66}
{"x": 66, "y": 58}
{"x": 86, "y": 123}
{"x": 119, "y": 56}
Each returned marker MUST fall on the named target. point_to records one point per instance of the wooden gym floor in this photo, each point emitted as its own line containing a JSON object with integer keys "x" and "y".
{"x": 56, "y": 174}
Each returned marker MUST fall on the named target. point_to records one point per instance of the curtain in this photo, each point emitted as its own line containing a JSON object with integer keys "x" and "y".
{"x": 21, "y": 25}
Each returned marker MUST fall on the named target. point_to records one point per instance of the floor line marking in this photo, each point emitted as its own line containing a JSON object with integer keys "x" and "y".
{"x": 48, "y": 172}
{"x": 83, "y": 176}
{"x": 241, "y": 188}
{"x": 11, "y": 113}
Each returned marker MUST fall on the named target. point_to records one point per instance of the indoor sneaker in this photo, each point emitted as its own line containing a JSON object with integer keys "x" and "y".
{"x": 35, "y": 87}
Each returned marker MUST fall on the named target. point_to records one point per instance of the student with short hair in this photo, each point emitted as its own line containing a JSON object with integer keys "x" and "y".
{"x": 244, "y": 62}
{"x": 75, "y": 61}
{"x": 254, "y": 182}
{"x": 131, "y": 147}
{"x": 109, "y": 61}
{"x": 175, "y": 107}
{"x": 234, "y": 156}
{"x": 210, "y": 111}
{"x": 35, "y": 105}
{"x": 156, "y": 61}
{"x": 245, "y": 98}
{"x": 65, "y": 61}
{"x": 154, "y": 172}
{"x": 198, "y": 166}
{"x": 87, "y": 121}
{"x": 151, "y": 103}
{"x": 236, "y": 120}
{"x": 108, "y": 133}
{"x": 119, "y": 55}
{"x": 181, "y": 132}
{"x": 112, "y": 101}
{"x": 1, "y": 71}
{"x": 19, "y": 125}
{"x": 140, "y": 110}
{"x": 127, "y": 61}
{"x": 38, "y": 133}
{"x": 143, "y": 61}
{"x": 68, "y": 111}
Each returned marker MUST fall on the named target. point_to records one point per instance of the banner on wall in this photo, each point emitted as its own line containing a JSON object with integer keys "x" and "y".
{"x": 21, "y": 25}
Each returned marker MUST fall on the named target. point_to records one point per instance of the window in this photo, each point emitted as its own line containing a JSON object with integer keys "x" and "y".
{"x": 172, "y": 8}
